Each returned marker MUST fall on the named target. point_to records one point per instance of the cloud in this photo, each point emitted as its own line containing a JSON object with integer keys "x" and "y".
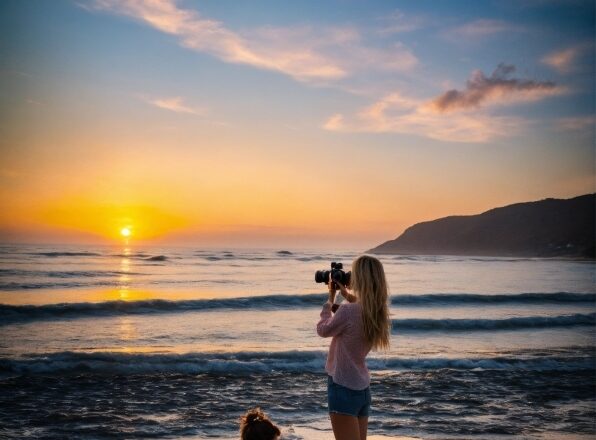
{"x": 454, "y": 116}
{"x": 305, "y": 53}
{"x": 565, "y": 60}
{"x": 499, "y": 88}
{"x": 343, "y": 46}
{"x": 480, "y": 28}
{"x": 174, "y": 104}
{"x": 335, "y": 123}
{"x": 577, "y": 123}
{"x": 212, "y": 37}
{"x": 388, "y": 115}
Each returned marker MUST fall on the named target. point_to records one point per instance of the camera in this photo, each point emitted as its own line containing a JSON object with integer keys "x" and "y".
{"x": 335, "y": 274}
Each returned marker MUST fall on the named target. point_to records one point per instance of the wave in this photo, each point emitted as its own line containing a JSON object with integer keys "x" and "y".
{"x": 138, "y": 255}
{"x": 105, "y": 281}
{"x": 243, "y": 363}
{"x": 132, "y": 255}
{"x": 12, "y": 285}
{"x": 27, "y": 313}
{"x": 313, "y": 258}
{"x": 281, "y": 255}
{"x": 67, "y": 254}
{"x": 577, "y": 319}
{"x": 65, "y": 274}
{"x": 474, "y": 298}
{"x": 156, "y": 258}
{"x": 455, "y": 258}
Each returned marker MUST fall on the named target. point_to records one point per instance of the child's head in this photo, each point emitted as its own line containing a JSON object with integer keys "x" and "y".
{"x": 255, "y": 425}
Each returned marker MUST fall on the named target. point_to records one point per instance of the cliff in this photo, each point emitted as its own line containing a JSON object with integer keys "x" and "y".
{"x": 546, "y": 228}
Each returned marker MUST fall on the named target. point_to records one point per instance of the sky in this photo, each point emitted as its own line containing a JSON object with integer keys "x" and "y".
{"x": 286, "y": 124}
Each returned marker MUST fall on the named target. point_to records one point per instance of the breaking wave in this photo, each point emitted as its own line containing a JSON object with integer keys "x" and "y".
{"x": 242, "y": 363}
{"x": 493, "y": 324}
{"x": 67, "y": 254}
{"x": 24, "y": 313}
{"x": 474, "y": 298}
{"x": 27, "y": 313}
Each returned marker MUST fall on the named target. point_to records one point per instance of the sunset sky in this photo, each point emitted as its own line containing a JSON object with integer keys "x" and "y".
{"x": 286, "y": 124}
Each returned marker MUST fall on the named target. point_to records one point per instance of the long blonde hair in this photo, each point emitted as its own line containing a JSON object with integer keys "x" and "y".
{"x": 369, "y": 284}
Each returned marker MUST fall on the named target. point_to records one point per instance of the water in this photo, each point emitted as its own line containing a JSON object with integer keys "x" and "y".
{"x": 178, "y": 342}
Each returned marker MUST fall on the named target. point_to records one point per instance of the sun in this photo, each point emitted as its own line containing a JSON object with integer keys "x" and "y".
{"x": 125, "y": 232}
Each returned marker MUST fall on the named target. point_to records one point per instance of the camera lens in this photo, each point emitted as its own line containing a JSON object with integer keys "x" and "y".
{"x": 321, "y": 276}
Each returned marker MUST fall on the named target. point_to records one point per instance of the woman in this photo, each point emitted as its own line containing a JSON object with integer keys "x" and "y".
{"x": 255, "y": 425}
{"x": 358, "y": 326}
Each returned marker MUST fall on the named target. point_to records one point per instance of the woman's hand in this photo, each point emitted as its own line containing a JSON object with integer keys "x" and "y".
{"x": 350, "y": 297}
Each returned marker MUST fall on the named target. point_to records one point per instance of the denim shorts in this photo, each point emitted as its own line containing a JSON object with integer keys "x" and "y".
{"x": 346, "y": 401}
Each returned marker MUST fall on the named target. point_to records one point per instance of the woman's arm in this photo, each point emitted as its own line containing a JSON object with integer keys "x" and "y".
{"x": 330, "y": 325}
{"x": 350, "y": 297}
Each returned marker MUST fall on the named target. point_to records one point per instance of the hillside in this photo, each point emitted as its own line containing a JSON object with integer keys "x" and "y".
{"x": 546, "y": 228}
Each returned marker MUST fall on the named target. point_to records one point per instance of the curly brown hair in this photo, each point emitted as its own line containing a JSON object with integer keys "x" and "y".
{"x": 255, "y": 425}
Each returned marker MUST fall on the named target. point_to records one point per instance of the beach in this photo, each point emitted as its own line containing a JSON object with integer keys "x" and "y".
{"x": 108, "y": 342}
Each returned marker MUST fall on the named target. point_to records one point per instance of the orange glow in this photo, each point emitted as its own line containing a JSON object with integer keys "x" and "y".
{"x": 111, "y": 221}
{"x": 247, "y": 197}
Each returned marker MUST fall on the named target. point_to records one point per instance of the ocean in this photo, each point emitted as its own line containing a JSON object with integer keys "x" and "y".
{"x": 173, "y": 342}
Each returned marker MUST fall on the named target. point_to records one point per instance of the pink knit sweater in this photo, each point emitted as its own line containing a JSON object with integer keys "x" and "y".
{"x": 346, "y": 362}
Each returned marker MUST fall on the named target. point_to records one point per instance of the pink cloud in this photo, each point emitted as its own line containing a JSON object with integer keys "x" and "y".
{"x": 499, "y": 88}
{"x": 304, "y": 53}
{"x": 175, "y": 104}
{"x": 577, "y": 123}
{"x": 454, "y": 116}
{"x": 565, "y": 60}
{"x": 389, "y": 115}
